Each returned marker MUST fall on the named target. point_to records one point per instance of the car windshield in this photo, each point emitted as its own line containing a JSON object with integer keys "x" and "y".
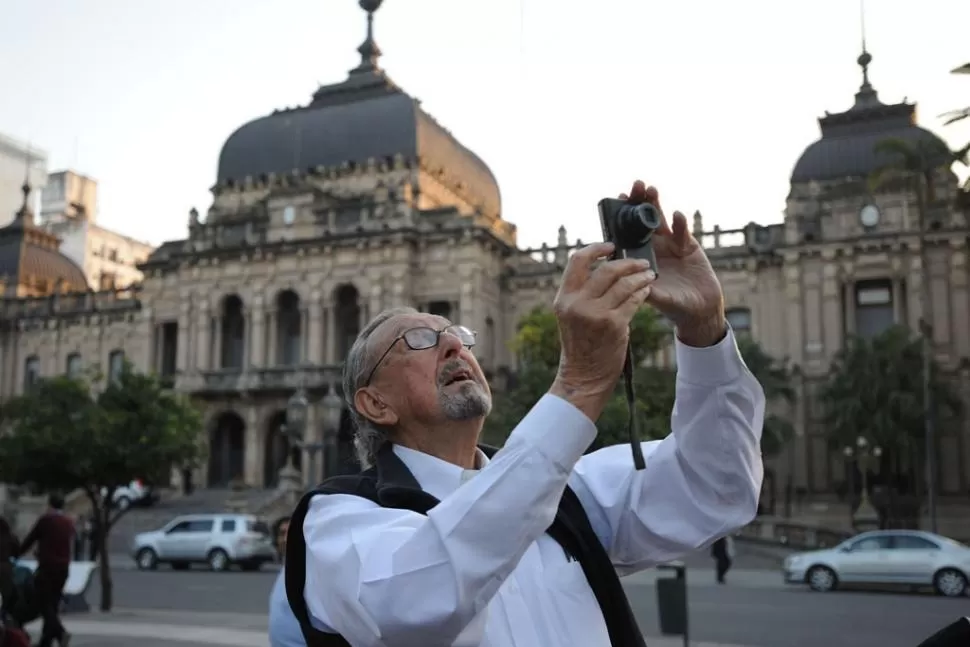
{"x": 258, "y": 527}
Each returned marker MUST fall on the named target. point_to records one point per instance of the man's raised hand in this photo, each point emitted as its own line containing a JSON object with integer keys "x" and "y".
{"x": 594, "y": 308}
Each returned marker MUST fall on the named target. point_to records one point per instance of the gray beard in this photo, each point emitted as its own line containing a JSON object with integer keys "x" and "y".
{"x": 470, "y": 401}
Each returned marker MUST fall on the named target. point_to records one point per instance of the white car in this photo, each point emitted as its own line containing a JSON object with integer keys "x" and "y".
{"x": 219, "y": 540}
{"x": 135, "y": 493}
{"x": 896, "y": 557}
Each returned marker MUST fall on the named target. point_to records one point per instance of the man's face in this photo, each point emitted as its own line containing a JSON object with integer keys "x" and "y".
{"x": 443, "y": 382}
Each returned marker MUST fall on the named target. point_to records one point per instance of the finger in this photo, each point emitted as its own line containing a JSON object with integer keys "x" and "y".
{"x": 633, "y": 303}
{"x": 680, "y": 233}
{"x": 608, "y": 273}
{"x": 627, "y": 286}
{"x": 641, "y": 193}
{"x": 577, "y": 271}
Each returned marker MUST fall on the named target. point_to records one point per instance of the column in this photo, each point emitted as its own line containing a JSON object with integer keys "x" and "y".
{"x": 203, "y": 348}
{"x": 182, "y": 340}
{"x": 304, "y": 335}
{"x": 376, "y": 302}
{"x": 848, "y": 305}
{"x": 314, "y": 331}
{"x": 332, "y": 325}
{"x": 254, "y": 447}
{"x": 257, "y": 321}
{"x": 899, "y": 317}
{"x": 215, "y": 348}
{"x": 271, "y": 338}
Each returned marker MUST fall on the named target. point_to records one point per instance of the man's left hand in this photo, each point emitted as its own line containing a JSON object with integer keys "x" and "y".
{"x": 687, "y": 290}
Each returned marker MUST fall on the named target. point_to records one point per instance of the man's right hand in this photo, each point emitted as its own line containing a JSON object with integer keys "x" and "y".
{"x": 594, "y": 309}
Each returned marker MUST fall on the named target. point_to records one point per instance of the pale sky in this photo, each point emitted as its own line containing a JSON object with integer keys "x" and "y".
{"x": 567, "y": 102}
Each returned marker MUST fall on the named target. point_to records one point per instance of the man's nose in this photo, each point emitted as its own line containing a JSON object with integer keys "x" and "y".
{"x": 450, "y": 344}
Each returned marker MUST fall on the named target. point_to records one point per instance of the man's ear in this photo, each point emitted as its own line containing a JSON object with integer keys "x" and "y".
{"x": 372, "y": 406}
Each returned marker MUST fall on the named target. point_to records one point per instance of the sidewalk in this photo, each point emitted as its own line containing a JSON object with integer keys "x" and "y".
{"x": 196, "y": 629}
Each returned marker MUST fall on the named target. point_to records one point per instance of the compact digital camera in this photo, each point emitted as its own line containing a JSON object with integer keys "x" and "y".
{"x": 630, "y": 228}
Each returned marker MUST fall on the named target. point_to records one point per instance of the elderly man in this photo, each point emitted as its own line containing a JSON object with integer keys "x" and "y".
{"x": 442, "y": 542}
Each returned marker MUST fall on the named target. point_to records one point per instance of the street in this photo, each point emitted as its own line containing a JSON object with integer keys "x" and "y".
{"x": 756, "y": 610}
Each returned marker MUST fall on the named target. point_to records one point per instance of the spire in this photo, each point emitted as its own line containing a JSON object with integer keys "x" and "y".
{"x": 369, "y": 51}
{"x": 24, "y": 217}
{"x": 866, "y": 96}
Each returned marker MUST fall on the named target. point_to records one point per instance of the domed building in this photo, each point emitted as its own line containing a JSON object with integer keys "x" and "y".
{"x": 30, "y": 263}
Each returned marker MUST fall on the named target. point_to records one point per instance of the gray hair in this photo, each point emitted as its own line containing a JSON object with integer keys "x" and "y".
{"x": 368, "y": 438}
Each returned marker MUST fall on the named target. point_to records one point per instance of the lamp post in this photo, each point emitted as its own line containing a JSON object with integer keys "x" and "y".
{"x": 295, "y": 430}
{"x": 866, "y": 516}
{"x": 332, "y": 412}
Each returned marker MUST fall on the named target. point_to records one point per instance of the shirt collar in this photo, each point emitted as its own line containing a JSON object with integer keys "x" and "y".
{"x": 437, "y": 477}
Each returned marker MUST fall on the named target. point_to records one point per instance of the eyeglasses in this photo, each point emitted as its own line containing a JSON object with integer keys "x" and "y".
{"x": 424, "y": 338}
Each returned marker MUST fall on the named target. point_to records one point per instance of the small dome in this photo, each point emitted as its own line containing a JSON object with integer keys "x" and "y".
{"x": 28, "y": 253}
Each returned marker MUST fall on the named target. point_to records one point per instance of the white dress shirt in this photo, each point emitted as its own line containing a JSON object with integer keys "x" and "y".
{"x": 479, "y": 570}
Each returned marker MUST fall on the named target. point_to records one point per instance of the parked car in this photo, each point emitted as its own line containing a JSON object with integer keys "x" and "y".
{"x": 219, "y": 540}
{"x": 886, "y": 557}
{"x": 136, "y": 493}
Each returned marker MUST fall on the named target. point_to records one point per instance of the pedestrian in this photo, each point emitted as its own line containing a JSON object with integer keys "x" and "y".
{"x": 9, "y": 549}
{"x": 284, "y": 628}
{"x": 54, "y": 534}
{"x": 443, "y": 542}
{"x": 722, "y": 551}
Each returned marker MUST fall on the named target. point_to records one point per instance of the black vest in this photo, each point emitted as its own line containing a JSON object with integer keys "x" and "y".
{"x": 391, "y": 485}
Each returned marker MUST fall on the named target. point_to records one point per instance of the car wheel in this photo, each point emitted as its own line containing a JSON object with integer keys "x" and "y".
{"x": 123, "y": 503}
{"x": 822, "y": 579}
{"x": 950, "y": 582}
{"x": 218, "y": 560}
{"x": 146, "y": 559}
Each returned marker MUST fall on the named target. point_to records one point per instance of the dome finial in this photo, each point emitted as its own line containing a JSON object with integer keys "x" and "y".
{"x": 369, "y": 51}
{"x": 25, "y": 215}
{"x": 866, "y": 96}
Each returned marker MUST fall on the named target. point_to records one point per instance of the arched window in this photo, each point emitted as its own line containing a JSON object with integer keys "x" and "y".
{"x": 31, "y": 372}
{"x": 116, "y": 364}
{"x": 74, "y": 365}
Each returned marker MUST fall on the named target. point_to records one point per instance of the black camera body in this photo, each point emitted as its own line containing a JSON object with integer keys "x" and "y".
{"x": 630, "y": 228}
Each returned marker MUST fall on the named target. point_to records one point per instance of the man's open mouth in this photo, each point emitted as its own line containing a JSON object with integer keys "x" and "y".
{"x": 458, "y": 376}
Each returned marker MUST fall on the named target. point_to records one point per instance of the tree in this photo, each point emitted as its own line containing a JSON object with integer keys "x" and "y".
{"x": 536, "y": 344}
{"x": 61, "y": 437}
{"x": 875, "y": 390}
{"x": 775, "y": 377}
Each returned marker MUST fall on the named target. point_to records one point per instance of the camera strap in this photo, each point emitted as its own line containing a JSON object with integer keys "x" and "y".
{"x": 631, "y": 401}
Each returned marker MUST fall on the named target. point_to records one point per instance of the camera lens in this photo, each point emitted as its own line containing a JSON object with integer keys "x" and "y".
{"x": 635, "y": 224}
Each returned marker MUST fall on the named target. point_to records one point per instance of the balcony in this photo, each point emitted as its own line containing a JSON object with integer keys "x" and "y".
{"x": 279, "y": 378}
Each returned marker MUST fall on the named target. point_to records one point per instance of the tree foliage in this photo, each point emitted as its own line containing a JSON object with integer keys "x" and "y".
{"x": 536, "y": 344}
{"x": 62, "y": 435}
{"x": 875, "y": 390}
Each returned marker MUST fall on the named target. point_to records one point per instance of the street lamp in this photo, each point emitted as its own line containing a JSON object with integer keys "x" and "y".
{"x": 866, "y": 516}
{"x": 333, "y": 408}
{"x": 295, "y": 430}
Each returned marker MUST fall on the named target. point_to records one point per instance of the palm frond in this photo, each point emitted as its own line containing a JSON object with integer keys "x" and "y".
{"x": 953, "y": 116}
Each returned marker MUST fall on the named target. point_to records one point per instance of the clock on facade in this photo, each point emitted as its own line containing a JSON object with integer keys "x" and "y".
{"x": 869, "y": 215}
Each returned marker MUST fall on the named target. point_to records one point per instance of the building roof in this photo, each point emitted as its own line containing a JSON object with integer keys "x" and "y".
{"x": 847, "y": 147}
{"x": 30, "y": 255}
{"x": 365, "y": 117}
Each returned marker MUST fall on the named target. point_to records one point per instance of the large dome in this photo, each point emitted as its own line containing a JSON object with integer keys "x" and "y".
{"x": 367, "y": 116}
{"x": 847, "y": 147}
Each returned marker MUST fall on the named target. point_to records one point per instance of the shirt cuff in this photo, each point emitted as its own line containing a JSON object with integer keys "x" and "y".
{"x": 560, "y": 431}
{"x": 711, "y": 366}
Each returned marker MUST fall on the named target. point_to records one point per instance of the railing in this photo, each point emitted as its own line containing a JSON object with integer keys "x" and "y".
{"x": 279, "y": 378}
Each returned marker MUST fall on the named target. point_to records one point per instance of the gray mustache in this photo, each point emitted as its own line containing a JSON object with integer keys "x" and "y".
{"x": 452, "y": 367}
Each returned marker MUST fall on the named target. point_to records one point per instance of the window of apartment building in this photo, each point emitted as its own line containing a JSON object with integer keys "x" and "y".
{"x": 440, "y": 308}
{"x": 740, "y": 320}
{"x": 74, "y": 365}
{"x": 108, "y": 281}
{"x": 31, "y": 372}
{"x": 116, "y": 363}
{"x": 873, "y": 307}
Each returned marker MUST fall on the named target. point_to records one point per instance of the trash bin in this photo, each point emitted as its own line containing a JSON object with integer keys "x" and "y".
{"x": 672, "y": 600}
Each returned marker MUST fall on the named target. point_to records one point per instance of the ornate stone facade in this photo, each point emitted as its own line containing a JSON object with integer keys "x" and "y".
{"x": 266, "y": 294}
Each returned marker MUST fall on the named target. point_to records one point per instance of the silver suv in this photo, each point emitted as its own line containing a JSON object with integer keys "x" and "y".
{"x": 219, "y": 540}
